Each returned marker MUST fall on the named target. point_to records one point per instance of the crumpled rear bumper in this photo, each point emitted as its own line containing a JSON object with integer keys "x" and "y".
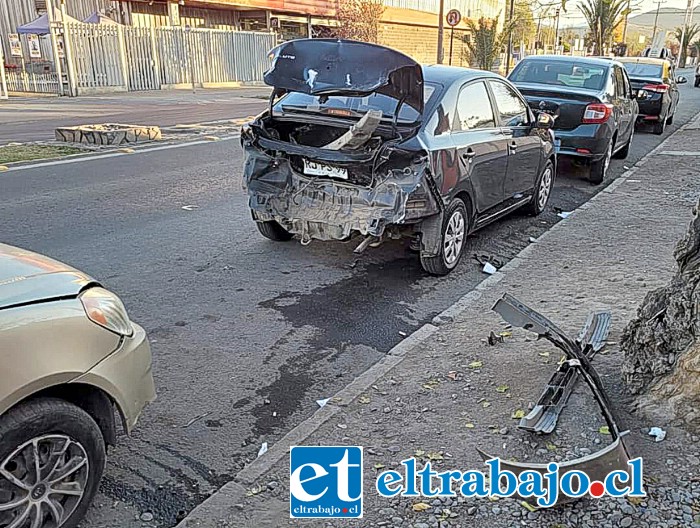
{"x": 327, "y": 209}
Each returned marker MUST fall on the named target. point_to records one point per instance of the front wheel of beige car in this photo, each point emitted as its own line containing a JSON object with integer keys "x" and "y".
{"x": 455, "y": 227}
{"x": 52, "y": 455}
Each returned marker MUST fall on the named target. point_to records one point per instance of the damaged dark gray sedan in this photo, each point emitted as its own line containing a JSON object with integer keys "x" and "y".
{"x": 361, "y": 140}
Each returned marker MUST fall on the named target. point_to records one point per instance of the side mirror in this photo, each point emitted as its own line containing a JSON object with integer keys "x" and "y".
{"x": 545, "y": 121}
{"x": 681, "y": 80}
{"x": 641, "y": 95}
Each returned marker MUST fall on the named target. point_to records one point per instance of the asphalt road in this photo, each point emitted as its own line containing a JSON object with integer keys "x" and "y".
{"x": 247, "y": 334}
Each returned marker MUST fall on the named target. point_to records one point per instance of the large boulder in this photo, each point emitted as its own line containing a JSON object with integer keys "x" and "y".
{"x": 662, "y": 344}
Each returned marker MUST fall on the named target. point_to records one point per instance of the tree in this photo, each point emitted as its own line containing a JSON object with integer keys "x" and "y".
{"x": 485, "y": 42}
{"x": 687, "y": 36}
{"x": 662, "y": 345}
{"x": 359, "y": 19}
{"x": 523, "y": 22}
{"x": 602, "y": 17}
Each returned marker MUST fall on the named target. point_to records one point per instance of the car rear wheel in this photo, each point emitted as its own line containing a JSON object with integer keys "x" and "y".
{"x": 669, "y": 121}
{"x": 660, "y": 126}
{"x": 455, "y": 227}
{"x": 543, "y": 190}
{"x": 52, "y": 455}
{"x": 272, "y": 230}
{"x": 600, "y": 168}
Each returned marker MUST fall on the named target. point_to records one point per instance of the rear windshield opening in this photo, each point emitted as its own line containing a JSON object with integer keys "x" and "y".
{"x": 560, "y": 73}
{"x": 346, "y": 106}
{"x": 644, "y": 70}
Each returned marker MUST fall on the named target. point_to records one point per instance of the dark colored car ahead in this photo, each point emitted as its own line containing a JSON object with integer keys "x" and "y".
{"x": 657, "y": 90}
{"x": 592, "y": 101}
{"x": 365, "y": 141}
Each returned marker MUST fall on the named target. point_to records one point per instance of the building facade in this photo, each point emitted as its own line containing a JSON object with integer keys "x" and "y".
{"x": 407, "y": 25}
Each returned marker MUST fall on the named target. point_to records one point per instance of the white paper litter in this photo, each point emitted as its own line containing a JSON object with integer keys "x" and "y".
{"x": 533, "y": 239}
{"x": 321, "y": 403}
{"x": 658, "y": 433}
{"x": 263, "y": 449}
{"x": 564, "y": 214}
{"x": 489, "y": 268}
{"x": 189, "y": 207}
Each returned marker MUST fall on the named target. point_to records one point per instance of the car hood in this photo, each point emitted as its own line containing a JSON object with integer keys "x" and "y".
{"x": 345, "y": 67}
{"x": 27, "y": 277}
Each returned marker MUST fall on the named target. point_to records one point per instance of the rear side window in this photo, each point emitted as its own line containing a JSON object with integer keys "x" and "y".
{"x": 473, "y": 109}
{"x": 620, "y": 90}
{"x": 561, "y": 73}
{"x": 511, "y": 108}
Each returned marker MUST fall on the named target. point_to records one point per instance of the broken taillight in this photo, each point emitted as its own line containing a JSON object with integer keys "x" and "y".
{"x": 597, "y": 113}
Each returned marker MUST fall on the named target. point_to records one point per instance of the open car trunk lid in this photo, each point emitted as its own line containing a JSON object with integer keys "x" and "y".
{"x": 345, "y": 67}
{"x": 566, "y": 104}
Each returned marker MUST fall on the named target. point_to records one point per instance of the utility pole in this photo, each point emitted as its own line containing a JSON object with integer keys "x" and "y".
{"x": 441, "y": 31}
{"x": 556, "y": 33}
{"x": 686, "y": 22}
{"x": 627, "y": 14}
{"x": 510, "y": 37}
{"x": 656, "y": 18}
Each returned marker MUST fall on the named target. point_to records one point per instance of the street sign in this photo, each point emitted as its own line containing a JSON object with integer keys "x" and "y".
{"x": 34, "y": 48}
{"x": 15, "y": 45}
{"x": 453, "y": 17}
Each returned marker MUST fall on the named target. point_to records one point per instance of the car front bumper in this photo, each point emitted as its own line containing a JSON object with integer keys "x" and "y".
{"x": 127, "y": 376}
{"x": 588, "y": 141}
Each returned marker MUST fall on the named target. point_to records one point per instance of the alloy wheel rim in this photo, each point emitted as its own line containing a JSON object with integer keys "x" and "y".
{"x": 454, "y": 238}
{"x": 42, "y": 482}
{"x": 545, "y": 188}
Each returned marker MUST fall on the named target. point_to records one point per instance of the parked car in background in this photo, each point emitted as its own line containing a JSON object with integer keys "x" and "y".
{"x": 366, "y": 141}
{"x": 657, "y": 90}
{"x": 592, "y": 101}
{"x": 697, "y": 76}
{"x": 70, "y": 356}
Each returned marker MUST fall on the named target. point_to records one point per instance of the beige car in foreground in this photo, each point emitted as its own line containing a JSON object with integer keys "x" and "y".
{"x": 69, "y": 356}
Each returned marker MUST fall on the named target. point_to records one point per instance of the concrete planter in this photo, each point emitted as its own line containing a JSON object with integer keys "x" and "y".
{"x": 108, "y": 134}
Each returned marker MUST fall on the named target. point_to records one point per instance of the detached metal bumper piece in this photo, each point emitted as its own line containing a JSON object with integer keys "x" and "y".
{"x": 543, "y": 417}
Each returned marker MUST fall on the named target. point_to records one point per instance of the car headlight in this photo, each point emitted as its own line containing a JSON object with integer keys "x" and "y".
{"x": 107, "y": 310}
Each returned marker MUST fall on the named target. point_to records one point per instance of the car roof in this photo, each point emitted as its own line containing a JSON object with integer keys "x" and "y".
{"x": 644, "y": 60}
{"x": 599, "y": 61}
{"x": 440, "y": 73}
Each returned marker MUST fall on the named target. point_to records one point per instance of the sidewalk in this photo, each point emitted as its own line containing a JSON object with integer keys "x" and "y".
{"x": 35, "y": 118}
{"x": 423, "y": 399}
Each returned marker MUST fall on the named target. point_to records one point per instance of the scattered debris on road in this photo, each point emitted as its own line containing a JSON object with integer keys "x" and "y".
{"x": 658, "y": 433}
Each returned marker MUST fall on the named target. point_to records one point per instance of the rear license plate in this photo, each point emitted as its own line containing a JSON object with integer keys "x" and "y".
{"x": 319, "y": 169}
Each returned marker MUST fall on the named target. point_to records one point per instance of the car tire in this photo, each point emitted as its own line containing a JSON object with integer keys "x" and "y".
{"x": 659, "y": 127}
{"x": 669, "y": 121}
{"x": 543, "y": 190}
{"x": 455, "y": 227}
{"x": 272, "y": 230}
{"x": 599, "y": 169}
{"x": 625, "y": 151}
{"x": 697, "y": 82}
{"x": 42, "y": 428}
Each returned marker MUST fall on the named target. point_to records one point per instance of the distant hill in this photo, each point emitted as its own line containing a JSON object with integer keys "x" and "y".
{"x": 669, "y": 19}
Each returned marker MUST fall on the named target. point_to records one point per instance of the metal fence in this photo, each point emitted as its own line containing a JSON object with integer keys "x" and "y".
{"x": 28, "y": 81}
{"x": 115, "y": 57}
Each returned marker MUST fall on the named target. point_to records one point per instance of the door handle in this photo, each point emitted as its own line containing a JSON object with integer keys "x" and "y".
{"x": 469, "y": 154}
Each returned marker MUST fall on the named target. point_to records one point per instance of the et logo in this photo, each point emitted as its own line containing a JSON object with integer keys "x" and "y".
{"x": 325, "y": 482}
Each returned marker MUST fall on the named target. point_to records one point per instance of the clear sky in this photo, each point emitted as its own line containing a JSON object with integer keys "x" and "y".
{"x": 573, "y": 15}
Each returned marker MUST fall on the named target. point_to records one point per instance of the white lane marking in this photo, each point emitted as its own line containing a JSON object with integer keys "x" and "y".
{"x": 115, "y": 154}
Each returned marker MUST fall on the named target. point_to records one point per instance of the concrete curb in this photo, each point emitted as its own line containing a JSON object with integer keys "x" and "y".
{"x": 234, "y": 491}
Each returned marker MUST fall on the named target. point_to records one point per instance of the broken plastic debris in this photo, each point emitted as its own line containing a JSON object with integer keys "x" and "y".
{"x": 489, "y": 268}
{"x": 658, "y": 433}
{"x": 263, "y": 449}
{"x": 189, "y": 207}
{"x": 564, "y": 214}
{"x": 532, "y": 239}
{"x": 323, "y": 402}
